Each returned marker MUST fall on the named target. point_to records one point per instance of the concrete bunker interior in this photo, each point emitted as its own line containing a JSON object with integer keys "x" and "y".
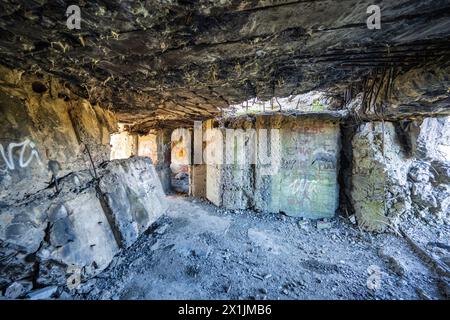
{"x": 225, "y": 150}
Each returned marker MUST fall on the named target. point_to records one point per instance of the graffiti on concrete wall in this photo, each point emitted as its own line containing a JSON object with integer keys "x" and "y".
{"x": 27, "y": 153}
{"x": 324, "y": 160}
{"x": 303, "y": 189}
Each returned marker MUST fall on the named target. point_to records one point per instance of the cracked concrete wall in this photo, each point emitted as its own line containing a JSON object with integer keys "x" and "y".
{"x": 301, "y": 181}
{"x": 429, "y": 175}
{"x": 305, "y": 182}
{"x": 44, "y": 126}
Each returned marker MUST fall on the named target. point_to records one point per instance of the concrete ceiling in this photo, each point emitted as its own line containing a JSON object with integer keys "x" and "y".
{"x": 176, "y": 61}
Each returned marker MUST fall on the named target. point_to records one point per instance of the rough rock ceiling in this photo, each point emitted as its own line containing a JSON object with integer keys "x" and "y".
{"x": 154, "y": 61}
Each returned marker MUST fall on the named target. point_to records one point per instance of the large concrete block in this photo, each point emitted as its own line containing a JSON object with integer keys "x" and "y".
{"x": 230, "y": 180}
{"x": 287, "y": 165}
{"x": 303, "y": 182}
{"x": 134, "y": 195}
{"x": 81, "y": 234}
{"x": 214, "y": 146}
{"x": 237, "y": 189}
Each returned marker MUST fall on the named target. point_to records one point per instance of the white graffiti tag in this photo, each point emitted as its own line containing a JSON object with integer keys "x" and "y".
{"x": 304, "y": 189}
{"x": 23, "y": 163}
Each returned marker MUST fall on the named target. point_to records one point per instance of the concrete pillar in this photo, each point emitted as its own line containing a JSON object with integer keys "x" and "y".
{"x": 163, "y": 146}
{"x": 197, "y": 175}
{"x": 134, "y": 144}
{"x": 197, "y": 171}
{"x": 214, "y": 175}
{"x": 230, "y": 180}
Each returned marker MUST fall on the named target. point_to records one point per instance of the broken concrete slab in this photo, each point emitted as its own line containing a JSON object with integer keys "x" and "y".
{"x": 18, "y": 289}
{"x": 43, "y": 294}
{"x": 134, "y": 196}
{"x": 83, "y": 226}
{"x": 87, "y": 235}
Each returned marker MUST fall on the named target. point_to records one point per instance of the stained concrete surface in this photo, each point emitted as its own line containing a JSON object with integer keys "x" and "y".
{"x": 197, "y": 251}
{"x": 299, "y": 178}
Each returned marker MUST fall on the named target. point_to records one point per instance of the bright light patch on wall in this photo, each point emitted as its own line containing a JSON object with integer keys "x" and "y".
{"x": 314, "y": 101}
{"x": 443, "y": 145}
{"x": 121, "y": 144}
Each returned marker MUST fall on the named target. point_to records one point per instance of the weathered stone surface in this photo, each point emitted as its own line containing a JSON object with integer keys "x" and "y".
{"x": 43, "y": 294}
{"x": 83, "y": 226}
{"x": 400, "y": 172}
{"x": 15, "y": 264}
{"x": 238, "y": 186}
{"x": 380, "y": 191}
{"x": 433, "y": 141}
{"x": 216, "y": 53}
{"x": 214, "y": 182}
{"x": 84, "y": 236}
{"x": 41, "y": 129}
{"x": 429, "y": 175}
{"x": 18, "y": 289}
{"x": 229, "y": 170}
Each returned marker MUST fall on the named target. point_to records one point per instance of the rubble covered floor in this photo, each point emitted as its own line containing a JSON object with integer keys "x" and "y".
{"x": 198, "y": 251}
